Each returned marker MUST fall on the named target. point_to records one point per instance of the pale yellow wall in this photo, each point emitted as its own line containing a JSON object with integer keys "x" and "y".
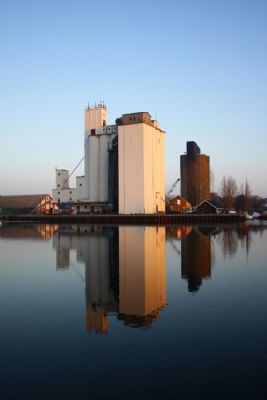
{"x": 154, "y": 170}
{"x": 142, "y": 268}
{"x": 131, "y": 169}
{"x": 141, "y": 169}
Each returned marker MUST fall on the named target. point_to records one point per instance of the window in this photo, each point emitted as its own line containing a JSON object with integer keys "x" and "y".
{"x": 70, "y": 192}
{"x": 81, "y": 184}
{"x": 58, "y": 200}
{"x": 59, "y": 174}
{"x": 58, "y": 192}
{"x": 58, "y": 185}
{"x": 70, "y": 199}
{"x": 85, "y": 206}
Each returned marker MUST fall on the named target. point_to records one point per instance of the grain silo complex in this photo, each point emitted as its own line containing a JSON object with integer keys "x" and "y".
{"x": 195, "y": 175}
{"x": 123, "y": 166}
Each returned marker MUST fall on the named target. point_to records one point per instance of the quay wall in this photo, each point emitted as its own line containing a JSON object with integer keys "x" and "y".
{"x": 162, "y": 219}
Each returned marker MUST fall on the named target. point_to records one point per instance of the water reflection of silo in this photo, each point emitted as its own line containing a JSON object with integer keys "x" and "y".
{"x": 196, "y": 258}
{"x": 62, "y": 244}
{"x": 142, "y": 270}
{"x": 125, "y": 271}
{"x": 99, "y": 291}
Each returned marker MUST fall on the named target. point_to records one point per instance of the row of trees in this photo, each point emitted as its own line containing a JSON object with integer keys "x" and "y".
{"x": 240, "y": 198}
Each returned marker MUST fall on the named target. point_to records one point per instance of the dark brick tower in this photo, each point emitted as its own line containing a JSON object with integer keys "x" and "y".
{"x": 195, "y": 175}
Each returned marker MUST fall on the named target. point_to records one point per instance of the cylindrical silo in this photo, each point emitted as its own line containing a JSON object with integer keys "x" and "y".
{"x": 93, "y": 172}
{"x": 104, "y": 140}
{"x": 86, "y": 167}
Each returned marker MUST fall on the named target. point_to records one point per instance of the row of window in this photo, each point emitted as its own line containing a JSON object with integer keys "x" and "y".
{"x": 70, "y": 190}
{"x": 58, "y": 200}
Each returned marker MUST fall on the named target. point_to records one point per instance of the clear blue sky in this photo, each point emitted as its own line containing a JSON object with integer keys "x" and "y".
{"x": 199, "y": 67}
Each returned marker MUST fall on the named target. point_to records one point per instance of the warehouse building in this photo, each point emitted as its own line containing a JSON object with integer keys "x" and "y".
{"x": 27, "y": 204}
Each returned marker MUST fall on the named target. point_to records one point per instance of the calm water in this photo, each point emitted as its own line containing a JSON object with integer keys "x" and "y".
{"x": 133, "y": 312}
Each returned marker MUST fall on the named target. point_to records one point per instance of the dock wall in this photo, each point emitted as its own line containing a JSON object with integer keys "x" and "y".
{"x": 162, "y": 219}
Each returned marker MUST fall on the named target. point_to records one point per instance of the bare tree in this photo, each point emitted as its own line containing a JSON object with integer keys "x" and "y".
{"x": 228, "y": 190}
{"x": 212, "y": 181}
{"x": 245, "y": 196}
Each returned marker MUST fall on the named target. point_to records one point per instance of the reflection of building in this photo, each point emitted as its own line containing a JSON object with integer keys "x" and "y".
{"x": 101, "y": 277}
{"x": 27, "y": 231}
{"x": 97, "y": 248}
{"x": 196, "y": 258}
{"x": 178, "y": 232}
{"x": 142, "y": 274}
{"x": 125, "y": 271}
{"x": 195, "y": 175}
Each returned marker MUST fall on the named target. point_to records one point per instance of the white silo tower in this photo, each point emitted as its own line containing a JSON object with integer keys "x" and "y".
{"x": 96, "y": 143}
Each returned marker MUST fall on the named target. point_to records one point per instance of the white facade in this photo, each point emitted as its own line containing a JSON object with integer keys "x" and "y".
{"x": 80, "y": 187}
{"x": 62, "y": 178}
{"x": 63, "y": 193}
{"x": 94, "y": 118}
{"x": 68, "y": 195}
{"x": 98, "y": 136}
{"x": 141, "y": 169}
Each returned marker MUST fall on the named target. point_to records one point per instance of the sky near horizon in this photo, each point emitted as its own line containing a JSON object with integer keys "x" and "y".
{"x": 199, "y": 67}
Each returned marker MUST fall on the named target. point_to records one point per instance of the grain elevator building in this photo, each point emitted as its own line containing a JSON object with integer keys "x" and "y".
{"x": 123, "y": 166}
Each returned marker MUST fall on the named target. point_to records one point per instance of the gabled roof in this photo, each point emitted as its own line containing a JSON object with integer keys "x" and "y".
{"x": 22, "y": 201}
{"x": 212, "y": 203}
{"x": 178, "y": 197}
{"x": 175, "y": 196}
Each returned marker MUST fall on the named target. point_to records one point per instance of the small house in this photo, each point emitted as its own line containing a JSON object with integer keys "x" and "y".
{"x": 208, "y": 207}
{"x": 178, "y": 204}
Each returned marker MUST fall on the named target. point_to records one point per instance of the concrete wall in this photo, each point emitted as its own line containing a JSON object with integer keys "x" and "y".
{"x": 64, "y": 195}
{"x": 62, "y": 178}
{"x": 94, "y": 118}
{"x": 141, "y": 169}
{"x": 80, "y": 187}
